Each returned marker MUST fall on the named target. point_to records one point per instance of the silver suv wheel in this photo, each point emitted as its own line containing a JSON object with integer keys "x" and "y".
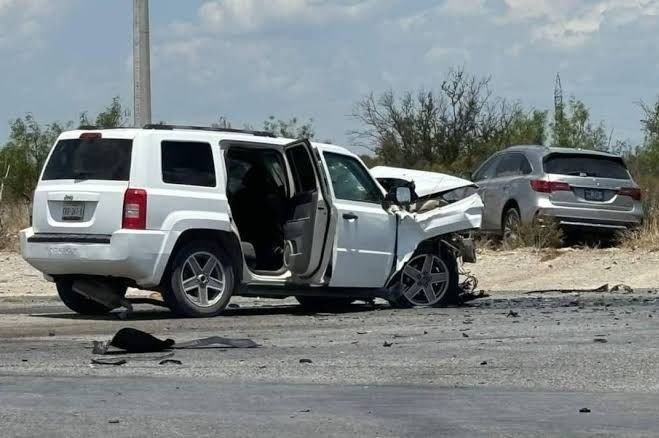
{"x": 202, "y": 279}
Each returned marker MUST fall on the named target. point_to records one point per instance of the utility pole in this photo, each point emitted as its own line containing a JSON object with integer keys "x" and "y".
{"x": 141, "y": 63}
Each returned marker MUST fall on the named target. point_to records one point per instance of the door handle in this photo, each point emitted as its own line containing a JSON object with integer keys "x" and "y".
{"x": 350, "y": 216}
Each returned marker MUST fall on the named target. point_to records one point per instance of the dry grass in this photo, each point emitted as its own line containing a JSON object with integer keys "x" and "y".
{"x": 537, "y": 235}
{"x": 646, "y": 237}
{"x": 13, "y": 218}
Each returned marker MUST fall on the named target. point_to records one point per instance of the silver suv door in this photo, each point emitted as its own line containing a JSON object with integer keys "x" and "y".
{"x": 482, "y": 177}
{"x": 510, "y": 182}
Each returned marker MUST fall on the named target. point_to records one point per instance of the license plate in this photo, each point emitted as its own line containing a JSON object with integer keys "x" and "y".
{"x": 73, "y": 211}
{"x": 593, "y": 195}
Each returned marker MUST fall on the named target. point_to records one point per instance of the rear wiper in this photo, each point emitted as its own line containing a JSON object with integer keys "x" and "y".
{"x": 82, "y": 175}
{"x": 577, "y": 173}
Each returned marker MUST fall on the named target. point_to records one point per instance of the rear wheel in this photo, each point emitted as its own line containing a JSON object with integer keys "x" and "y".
{"x": 510, "y": 226}
{"x": 427, "y": 280}
{"x": 201, "y": 280}
{"x": 81, "y": 304}
{"x": 324, "y": 304}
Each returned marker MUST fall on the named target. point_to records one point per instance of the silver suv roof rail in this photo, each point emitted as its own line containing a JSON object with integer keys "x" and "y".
{"x": 209, "y": 128}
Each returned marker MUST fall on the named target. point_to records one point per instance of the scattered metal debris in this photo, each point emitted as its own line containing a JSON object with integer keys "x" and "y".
{"x": 115, "y": 362}
{"x": 603, "y": 288}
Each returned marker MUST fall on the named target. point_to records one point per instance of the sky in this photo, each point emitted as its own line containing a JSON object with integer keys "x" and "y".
{"x": 249, "y": 59}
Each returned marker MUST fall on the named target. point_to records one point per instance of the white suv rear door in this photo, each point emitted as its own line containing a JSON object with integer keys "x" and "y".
{"x": 82, "y": 187}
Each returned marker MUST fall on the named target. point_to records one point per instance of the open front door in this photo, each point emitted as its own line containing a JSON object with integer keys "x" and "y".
{"x": 304, "y": 231}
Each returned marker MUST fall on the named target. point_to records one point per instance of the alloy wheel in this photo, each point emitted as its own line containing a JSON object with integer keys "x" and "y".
{"x": 202, "y": 279}
{"x": 425, "y": 280}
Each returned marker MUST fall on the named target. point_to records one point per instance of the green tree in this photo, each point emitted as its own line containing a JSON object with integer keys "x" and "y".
{"x": 292, "y": 128}
{"x": 572, "y": 128}
{"x": 453, "y": 129}
{"x": 113, "y": 116}
{"x": 26, "y": 152}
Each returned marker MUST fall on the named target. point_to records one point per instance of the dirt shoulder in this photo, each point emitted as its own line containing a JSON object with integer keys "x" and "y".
{"x": 525, "y": 269}
{"x": 497, "y": 271}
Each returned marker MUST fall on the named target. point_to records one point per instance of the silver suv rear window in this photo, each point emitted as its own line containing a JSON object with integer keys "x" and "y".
{"x": 586, "y": 165}
{"x": 98, "y": 159}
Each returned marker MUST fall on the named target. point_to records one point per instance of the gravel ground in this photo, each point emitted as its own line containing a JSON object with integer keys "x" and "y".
{"x": 497, "y": 271}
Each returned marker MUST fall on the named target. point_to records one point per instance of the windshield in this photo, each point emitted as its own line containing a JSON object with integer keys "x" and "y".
{"x": 101, "y": 159}
{"x": 586, "y": 165}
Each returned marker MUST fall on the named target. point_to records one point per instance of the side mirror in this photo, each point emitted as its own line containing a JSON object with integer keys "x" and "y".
{"x": 468, "y": 176}
{"x": 403, "y": 196}
{"x": 399, "y": 195}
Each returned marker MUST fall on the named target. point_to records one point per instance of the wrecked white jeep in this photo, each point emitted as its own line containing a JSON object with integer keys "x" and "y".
{"x": 202, "y": 214}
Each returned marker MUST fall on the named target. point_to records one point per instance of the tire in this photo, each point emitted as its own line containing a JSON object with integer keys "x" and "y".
{"x": 511, "y": 220}
{"x": 80, "y": 304}
{"x": 324, "y": 304}
{"x": 440, "y": 275}
{"x": 202, "y": 266}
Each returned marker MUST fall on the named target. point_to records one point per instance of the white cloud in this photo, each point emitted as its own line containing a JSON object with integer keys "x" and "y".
{"x": 250, "y": 15}
{"x": 572, "y": 23}
{"x": 463, "y": 7}
{"x": 21, "y": 21}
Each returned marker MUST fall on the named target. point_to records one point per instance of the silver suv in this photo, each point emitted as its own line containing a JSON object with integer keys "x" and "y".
{"x": 577, "y": 188}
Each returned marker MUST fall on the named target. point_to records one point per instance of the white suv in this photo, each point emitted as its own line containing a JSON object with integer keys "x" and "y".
{"x": 202, "y": 214}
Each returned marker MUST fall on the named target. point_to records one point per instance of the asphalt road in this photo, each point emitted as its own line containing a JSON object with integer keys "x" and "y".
{"x": 511, "y": 366}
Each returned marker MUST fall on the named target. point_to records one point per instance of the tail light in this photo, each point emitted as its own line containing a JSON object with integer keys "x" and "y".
{"x": 134, "y": 217}
{"x": 543, "y": 186}
{"x": 632, "y": 192}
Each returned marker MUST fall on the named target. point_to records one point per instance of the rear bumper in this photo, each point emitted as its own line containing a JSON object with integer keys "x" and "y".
{"x": 133, "y": 255}
{"x": 592, "y": 218}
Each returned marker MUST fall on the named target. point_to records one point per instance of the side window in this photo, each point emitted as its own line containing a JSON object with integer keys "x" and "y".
{"x": 187, "y": 163}
{"x": 350, "y": 180}
{"x": 525, "y": 165}
{"x": 487, "y": 170}
{"x": 302, "y": 169}
{"x": 509, "y": 166}
{"x": 514, "y": 164}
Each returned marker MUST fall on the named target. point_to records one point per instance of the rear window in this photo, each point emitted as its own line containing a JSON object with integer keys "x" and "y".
{"x": 187, "y": 163}
{"x": 586, "y": 165}
{"x": 102, "y": 159}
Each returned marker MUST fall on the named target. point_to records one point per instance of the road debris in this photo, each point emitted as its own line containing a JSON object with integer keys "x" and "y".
{"x": 170, "y": 361}
{"x": 603, "y": 288}
{"x": 484, "y": 363}
{"x": 512, "y": 314}
{"x": 115, "y": 362}
{"x": 600, "y": 340}
{"x": 387, "y": 344}
{"x": 306, "y": 361}
{"x": 584, "y": 410}
{"x": 114, "y": 421}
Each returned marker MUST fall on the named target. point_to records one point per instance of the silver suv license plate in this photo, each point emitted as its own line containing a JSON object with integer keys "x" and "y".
{"x": 594, "y": 195}
{"x": 73, "y": 211}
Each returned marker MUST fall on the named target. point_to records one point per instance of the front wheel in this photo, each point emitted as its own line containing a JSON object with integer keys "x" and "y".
{"x": 427, "y": 280}
{"x": 201, "y": 280}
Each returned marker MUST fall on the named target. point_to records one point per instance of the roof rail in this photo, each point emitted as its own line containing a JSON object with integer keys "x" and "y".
{"x": 209, "y": 128}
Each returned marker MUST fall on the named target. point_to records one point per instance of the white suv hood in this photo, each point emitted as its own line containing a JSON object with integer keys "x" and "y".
{"x": 414, "y": 228}
{"x": 425, "y": 183}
